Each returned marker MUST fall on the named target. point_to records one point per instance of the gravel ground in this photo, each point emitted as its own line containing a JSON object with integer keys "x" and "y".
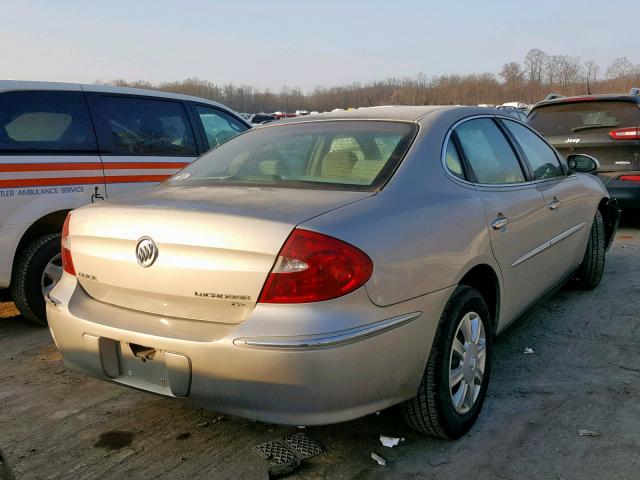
{"x": 584, "y": 374}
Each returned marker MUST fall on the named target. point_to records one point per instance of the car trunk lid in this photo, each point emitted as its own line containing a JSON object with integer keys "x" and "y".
{"x": 215, "y": 246}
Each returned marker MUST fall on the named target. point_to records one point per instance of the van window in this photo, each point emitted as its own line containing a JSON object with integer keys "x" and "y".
{"x": 218, "y": 126}
{"x": 45, "y": 122}
{"x": 141, "y": 126}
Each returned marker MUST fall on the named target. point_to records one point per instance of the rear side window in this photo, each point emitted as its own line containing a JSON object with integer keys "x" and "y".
{"x": 218, "y": 126}
{"x": 45, "y": 122}
{"x": 491, "y": 160}
{"x": 349, "y": 155}
{"x": 571, "y": 118}
{"x": 540, "y": 156}
{"x": 452, "y": 160}
{"x": 140, "y": 126}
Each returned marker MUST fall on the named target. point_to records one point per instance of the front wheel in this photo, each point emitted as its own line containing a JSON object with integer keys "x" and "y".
{"x": 37, "y": 270}
{"x": 456, "y": 378}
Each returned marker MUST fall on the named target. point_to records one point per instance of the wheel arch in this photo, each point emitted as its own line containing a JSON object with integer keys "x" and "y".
{"x": 50, "y": 223}
{"x": 610, "y": 212}
{"x": 484, "y": 278}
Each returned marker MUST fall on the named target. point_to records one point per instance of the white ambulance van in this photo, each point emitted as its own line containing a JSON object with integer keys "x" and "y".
{"x": 66, "y": 145}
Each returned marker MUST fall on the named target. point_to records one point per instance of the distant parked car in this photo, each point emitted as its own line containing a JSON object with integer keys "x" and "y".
{"x": 324, "y": 268}
{"x": 260, "y": 118}
{"x": 515, "y": 112}
{"x": 605, "y": 126}
{"x": 65, "y": 145}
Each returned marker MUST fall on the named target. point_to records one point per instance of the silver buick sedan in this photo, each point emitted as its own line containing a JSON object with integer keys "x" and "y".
{"x": 320, "y": 269}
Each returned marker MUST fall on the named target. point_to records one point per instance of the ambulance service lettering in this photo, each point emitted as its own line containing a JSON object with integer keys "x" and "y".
{"x": 31, "y": 192}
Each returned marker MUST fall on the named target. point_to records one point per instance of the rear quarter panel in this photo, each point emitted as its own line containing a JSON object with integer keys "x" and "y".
{"x": 423, "y": 231}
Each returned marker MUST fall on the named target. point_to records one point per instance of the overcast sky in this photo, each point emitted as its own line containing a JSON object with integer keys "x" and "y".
{"x": 301, "y": 42}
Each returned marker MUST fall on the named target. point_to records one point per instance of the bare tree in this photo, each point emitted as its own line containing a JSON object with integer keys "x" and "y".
{"x": 591, "y": 70}
{"x": 540, "y": 75}
{"x": 620, "y": 67}
{"x": 534, "y": 63}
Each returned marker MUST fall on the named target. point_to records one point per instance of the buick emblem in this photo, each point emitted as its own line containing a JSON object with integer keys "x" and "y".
{"x": 146, "y": 252}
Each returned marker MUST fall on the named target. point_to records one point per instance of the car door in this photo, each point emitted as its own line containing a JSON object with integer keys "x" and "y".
{"x": 515, "y": 212}
{"x": 216, "y": 126}
{"x": 568, "y": 206}
{"x": 143, "y": 140}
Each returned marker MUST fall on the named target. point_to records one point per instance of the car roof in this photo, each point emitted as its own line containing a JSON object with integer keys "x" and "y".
{"x": 21, "y": 85}
{"x": 601, "y": 97}
{"x": 394, "y": 113}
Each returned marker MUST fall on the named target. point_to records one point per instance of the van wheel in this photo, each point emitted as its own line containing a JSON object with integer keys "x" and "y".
{"x": 592, "y": 267}
{"x": 455, "y": 381}
{"x": 37, "y": 270}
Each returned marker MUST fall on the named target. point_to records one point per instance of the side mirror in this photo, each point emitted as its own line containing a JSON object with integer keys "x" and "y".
{"x": 582, "y": 163}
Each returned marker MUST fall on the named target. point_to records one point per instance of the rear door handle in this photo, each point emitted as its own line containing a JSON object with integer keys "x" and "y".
{"x": 499, "y": 223}
{"x": 554, "y": 204}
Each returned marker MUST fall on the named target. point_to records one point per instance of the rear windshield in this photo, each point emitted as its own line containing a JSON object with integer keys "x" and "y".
{"x": 345, "y": 155}
{"x": 573, "y": 118}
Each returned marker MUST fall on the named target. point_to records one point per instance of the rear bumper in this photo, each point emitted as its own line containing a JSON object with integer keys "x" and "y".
{"x": 627, "y": 193}
{"x": 251, "y": 369}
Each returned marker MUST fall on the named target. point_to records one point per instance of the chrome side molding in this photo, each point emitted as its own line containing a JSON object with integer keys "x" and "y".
{"x": 329, "y": 340}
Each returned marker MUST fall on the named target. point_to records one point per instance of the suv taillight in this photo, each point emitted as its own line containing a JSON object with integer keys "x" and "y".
{"x": 630, "y": 133}
{"x": 312, "y": 267}
{"x": 67, "y": 261}
{"x": 630, "y": 178}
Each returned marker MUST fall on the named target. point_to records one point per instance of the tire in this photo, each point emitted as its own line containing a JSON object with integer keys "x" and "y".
{"x": 432, "y": 410}
{"x": 592, "y": 267}
{"x": 27, "y": 278}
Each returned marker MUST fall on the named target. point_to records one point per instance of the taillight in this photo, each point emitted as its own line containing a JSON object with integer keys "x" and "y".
{"x": 630, "y": 133}
{"x": 313, "y": 267}
{"x": 630, "y": 178}
{"x": 67, "y": 261}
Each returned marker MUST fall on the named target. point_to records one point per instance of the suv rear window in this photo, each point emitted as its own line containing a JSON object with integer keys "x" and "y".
{"x": 45, "y": 122}
{"x": 351, "y": 155}
{"x": 572, "y": 118}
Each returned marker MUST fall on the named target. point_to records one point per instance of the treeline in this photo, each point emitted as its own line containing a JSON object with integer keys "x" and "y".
{"x": 530, "y": 81}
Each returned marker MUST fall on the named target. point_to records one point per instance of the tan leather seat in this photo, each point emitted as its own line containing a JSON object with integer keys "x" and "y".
{"x": 338, "y": 164}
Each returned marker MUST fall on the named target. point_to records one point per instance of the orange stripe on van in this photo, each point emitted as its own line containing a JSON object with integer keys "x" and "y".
{"x": 52, "y": 182}
{"x": 61, "y": 166}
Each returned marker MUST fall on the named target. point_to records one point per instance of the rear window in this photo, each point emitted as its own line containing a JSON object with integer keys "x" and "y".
{"x": 572, "y": 118}
{"x": 45, "y": 122}
{"x": 352, "y": 155}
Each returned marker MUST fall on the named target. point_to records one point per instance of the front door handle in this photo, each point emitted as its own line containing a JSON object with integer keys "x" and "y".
{"x": 499, "y": 223}
{"x": 554, "y": 204}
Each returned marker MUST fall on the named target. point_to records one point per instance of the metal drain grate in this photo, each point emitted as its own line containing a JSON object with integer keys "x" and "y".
{"x": 276, "y": 452}
{"x": 304, "y": 445}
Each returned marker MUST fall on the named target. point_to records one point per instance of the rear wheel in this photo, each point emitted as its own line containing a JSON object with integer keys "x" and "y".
{"x": 592, "y": 267}
{"x": 37, "y": 270}
{"x": 455, "y": 380}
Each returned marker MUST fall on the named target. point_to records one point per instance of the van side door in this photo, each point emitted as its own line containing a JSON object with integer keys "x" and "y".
{"x": 48, "y": 162}
{"x": 143, "y": 140}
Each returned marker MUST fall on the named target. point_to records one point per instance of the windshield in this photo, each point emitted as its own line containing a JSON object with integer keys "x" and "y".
{"x": 571, "y": 118}
{"x": 351, "y": 155}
